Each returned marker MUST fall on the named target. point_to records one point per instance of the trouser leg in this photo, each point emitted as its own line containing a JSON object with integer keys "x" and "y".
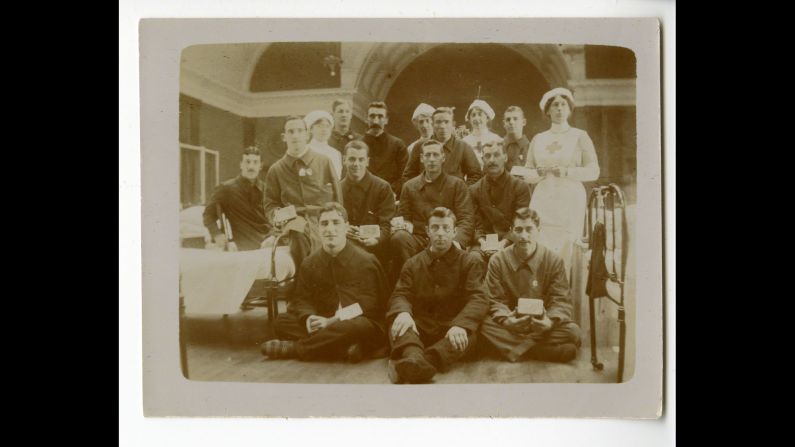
{"x": 332, "y": 341}
{"x": 508, "y": 345}
{"x": 443, "y": 354}
{"x": 567, "y": 332}
{"x": 288, "y": 327}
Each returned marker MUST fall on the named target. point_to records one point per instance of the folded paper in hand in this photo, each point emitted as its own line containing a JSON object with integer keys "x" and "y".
{"x": 349, "y": 312}
{"x": 369, "y": 231}
{"x": 530, "y": 306}
{"x": 397, "y": 221}
{"x": 284, "y": 214}
{"x": 492, "y": 243}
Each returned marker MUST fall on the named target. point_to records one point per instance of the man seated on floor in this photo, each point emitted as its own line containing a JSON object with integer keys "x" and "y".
{"x": 436, "y": 307}
{"x": 529, "y": 270}
{"x": 321, "y": 322}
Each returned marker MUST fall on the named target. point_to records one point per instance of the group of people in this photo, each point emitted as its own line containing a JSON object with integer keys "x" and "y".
{"x": 426, "y": 249}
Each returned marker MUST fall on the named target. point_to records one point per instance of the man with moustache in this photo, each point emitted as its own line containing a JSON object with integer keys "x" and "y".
{"x": 436, "y": 307}
{"x": 240, "y": 199}
{"x": 422, "y": 120}
{"x": 367, "y": 199}
{"x": 342, "y": 111}
{"x": 387, "y": 153}
{"x": 338, "y": 275}
{"x": 497, "y": 196}
{"x": 459, "y": 158}
{"x": 527, "y": 269}
{"x": 431, "y": 189}
{"x": 304, "y": 179}
{"x": 516, "y": 143}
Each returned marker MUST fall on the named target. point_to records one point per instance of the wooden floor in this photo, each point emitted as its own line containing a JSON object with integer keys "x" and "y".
{"x": 229, "y": 363}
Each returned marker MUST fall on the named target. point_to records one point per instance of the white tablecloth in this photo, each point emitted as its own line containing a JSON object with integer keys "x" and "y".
{"x": 216, "y": 282}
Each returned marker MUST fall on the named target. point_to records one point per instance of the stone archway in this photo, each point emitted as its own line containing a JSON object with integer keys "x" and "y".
{"x": 405, "y": 74}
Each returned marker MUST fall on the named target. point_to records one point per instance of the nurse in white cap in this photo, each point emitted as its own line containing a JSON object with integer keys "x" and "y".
{"x": 560, "y": 159}
{"x": 423, "y": 121}
{"x": 320, "y": 123}
{"x": 479, "y": 115}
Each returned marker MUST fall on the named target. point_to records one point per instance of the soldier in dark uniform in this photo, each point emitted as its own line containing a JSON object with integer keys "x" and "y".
{"x": 388, "y": 153}
{"x": 430, "y": 189}
{"x": 436, "y": 307}
{"x": 240, "y": 199}
{"x": 338, "y": 275}
{"x": 367, "y": 199}
{"x": 516, "y": 143}
{"x": 459, "y": 157}
{"x": 497, "y": 196}
{"x": 342, "y": 111}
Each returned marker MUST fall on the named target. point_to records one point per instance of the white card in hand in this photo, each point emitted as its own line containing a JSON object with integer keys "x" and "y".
{"x": 397, "y": 221}
{"x": 530, "y": 306}
{"x": 522, "y": 171}
{"x": 284, "y": 214}
{"x": 348, "y": 312}
{"x": 492, "y": 243}
{"x": 369, "y": 231}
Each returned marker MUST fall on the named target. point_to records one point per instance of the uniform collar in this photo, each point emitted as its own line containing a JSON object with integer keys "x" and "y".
{"x": 448, "y": 257}
{"x": 499, "y": 181}
{"x": 509, "y": 138}
{"x": 342, "y": 257}
{"x": 534, "y": 262}
{"x": 242, "y": 181}
{"x": 349, "y": 134}
{"x": 307, "y": 158}
{"x": 438, "y": 182}
{"x": 364, "y": 183}
{"x": 450, "y": 144}
{"x": 379, "y": 138}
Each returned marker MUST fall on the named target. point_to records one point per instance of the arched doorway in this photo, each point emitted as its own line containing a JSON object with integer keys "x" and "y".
{"x": 450, "y": 74}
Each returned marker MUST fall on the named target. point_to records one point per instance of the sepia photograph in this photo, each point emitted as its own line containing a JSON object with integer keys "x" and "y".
{"x": 411, "y": 214}
{"x": 271, "y": 127}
